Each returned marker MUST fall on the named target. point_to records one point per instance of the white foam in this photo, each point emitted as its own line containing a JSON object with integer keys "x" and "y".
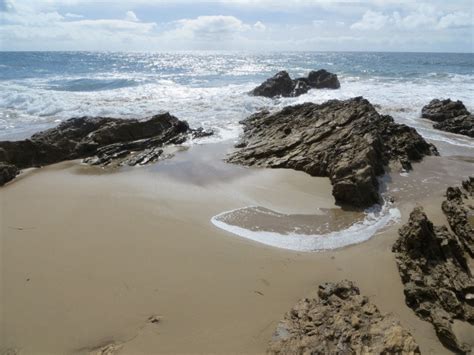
{"x": 376, "y": 218}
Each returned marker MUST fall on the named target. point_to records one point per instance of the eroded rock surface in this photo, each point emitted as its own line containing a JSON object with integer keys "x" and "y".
{"x": 347, "y": 141}
{"x": 340, "y": 321}
{"x": 460, "y": 213}
{"x": 282, "y": 85}
{"x": 434, "y": 269}
{"x": 451, "y": 116}
{"x": 101, "y": 139}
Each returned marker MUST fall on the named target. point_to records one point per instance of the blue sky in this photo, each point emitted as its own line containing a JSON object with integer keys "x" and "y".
{"x": 265, "y": 25}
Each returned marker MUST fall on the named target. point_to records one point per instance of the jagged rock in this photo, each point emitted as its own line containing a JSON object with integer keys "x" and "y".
{"x": 279, "y": 85}
{"x": 282, "y": 85}
{"x": 451, "y": 116}
{"x": 7, "y": 172}
{"x": 440, "y": 110}
{"x": 461, "y": 125}
{"x": 347, "y": 141}
{"x": 459, "y": 213}
{"x": 436, "y": 276}
{"x": 101, "y": 139}
{"x": 322, "y": 79}
{"x": 341, "y": 321}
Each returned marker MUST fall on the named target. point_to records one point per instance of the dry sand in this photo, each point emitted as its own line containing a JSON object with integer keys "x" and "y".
{"x": 88, "y": 256}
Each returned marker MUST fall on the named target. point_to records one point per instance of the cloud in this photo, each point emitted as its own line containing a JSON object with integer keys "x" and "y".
{"x": 371, "y": 21}
{"x": 71, "y": 15}
{"x": 259, "y": 26}
{"x": 455, "y": 20}
{"x": 209, "y": 28}
{"x": 130, "y": 16}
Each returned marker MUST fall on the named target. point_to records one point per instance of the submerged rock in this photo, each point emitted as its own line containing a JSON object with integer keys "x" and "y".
{"x": 451, "y": 116}
{"x": 340, "y": 321}
{"x": 347, "y": 141}
{"x": 101, "y": 139}
{"x": 436, "y": 276}
{"x": 282, "y": 85}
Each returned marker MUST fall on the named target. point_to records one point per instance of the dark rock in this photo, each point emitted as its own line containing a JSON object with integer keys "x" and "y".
{"x": 340, "y": 321}
{"x": 279, "y": 85}
{"x": 347, "y": 141}
{"x": 451, "y": 116}
{"x": 436, "y": 277}
{"x": 461, "y": 125}
{"x": 7, "y": 172}
{"x": 101, "y": 139}
{"x": 322, "y": 79}
{"x": 282, "y": 85}
{"x": 458, "y": 214}
{"x": 440, "y": 110}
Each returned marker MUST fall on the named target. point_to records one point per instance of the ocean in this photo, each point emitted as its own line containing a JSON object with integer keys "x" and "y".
{"x": 209, "y": 89}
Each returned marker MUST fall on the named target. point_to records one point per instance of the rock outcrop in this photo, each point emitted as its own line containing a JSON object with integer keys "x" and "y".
{"x": 434, "y": 269}
{"x": 106, "y": 140}
{"x": 450, "y": 116}
{"x": 340, "y": 321}
{"x": 459, "y": 213}
{"x": 347, "y": 141}
{"x": 282, "y": 85}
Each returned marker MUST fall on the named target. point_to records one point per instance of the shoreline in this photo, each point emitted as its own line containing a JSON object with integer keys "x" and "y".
{"x": 94, "y": 276}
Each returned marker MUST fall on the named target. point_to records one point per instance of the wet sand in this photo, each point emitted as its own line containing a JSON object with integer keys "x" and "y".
{"x": 89, "y": 256}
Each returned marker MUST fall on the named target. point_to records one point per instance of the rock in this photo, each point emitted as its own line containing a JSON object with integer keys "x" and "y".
{"x": 279, "y": 85}
{"x": 461, "y": 125}
{"x": 347, "y": 141}
{"x": 340, "y": 321}
{"x": 451, "y": 116}
{"x": 282, "y": 85}
{"x": 102, "y": 140}
{"x": 7, "y": 172}
{"x": 436, "y": 277}
{"x": 440, "y": 110}
{"x": 322, "y": 79}
{"x": 458, "y": 214}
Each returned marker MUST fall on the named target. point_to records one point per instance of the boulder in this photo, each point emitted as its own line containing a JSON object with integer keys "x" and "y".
{"x": 322, "y": 79}
{"x": 7, "y": 172}
{"x": 461, "y": 125}
{"x": 450, "y": 116}
{"x": 434, "y": 269}
{"x": 347, "y": 141}
{"x": 282, "y": 85}
{"x": 102, "y": 140}
{"x": 340, "y": 321}
{"x": 440, "y": 110}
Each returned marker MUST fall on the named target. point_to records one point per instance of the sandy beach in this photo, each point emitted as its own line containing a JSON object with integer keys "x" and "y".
{"x": 89, "y": 255}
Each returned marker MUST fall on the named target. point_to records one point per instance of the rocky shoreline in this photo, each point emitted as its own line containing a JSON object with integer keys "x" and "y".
{"x": 100, "y": 140}
{"x": 353, "y": 145}
{"x": 347, "y": 141}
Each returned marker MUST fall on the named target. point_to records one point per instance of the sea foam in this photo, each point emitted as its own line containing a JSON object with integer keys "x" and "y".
{"x": 376, "y": 218}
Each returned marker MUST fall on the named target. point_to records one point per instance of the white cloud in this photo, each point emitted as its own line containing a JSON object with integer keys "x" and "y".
{"x": 259, "y": 26}
{"x": 455, "y": 20}
{"x": 130, "y": 16}
{"x": 371, "y": 20}
{"x": 209, "y": 28}
{"x": 71, "y": 15}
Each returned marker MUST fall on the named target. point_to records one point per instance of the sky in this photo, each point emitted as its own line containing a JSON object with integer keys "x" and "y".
{"x": 243, "y": 25}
